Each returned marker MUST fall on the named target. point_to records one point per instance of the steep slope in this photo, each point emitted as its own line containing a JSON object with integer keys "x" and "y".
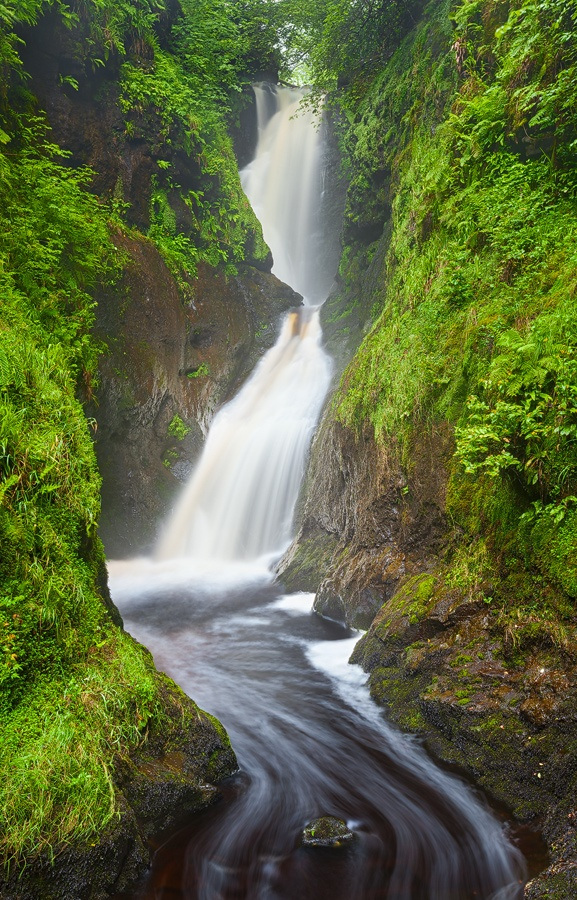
{"x": 442, "y": 485}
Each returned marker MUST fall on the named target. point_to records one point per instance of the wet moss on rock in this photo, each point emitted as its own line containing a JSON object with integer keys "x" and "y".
{"x": 172, "y": 772}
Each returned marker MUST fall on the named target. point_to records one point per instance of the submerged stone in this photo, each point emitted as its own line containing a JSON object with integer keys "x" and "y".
{"x": 327, "y": 831}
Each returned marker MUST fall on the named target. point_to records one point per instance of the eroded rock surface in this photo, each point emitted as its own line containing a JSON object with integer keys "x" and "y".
{"x": 365, "y": 524}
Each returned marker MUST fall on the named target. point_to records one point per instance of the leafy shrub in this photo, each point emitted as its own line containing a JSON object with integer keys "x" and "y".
{"x": 177, "y": 428}
{"x": 525, "y": 421}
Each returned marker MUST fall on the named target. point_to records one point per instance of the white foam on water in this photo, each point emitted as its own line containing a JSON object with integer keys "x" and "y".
{"x": 294, "y": 604}
{"x": 142, "y": 577}
{"x": 350, "y": 681}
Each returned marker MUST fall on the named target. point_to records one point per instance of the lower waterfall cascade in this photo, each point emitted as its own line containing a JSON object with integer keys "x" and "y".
{"x": 309, "y": 740}
{"x": 240, "y": 500}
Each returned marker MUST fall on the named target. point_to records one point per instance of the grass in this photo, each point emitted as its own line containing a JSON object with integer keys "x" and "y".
{"x": 57, "y": 759}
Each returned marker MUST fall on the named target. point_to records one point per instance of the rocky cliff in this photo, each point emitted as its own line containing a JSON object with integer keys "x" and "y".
{"x": 169, "y": 363}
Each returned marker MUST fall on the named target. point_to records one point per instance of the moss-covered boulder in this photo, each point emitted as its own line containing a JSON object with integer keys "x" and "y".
{"x": 171, "y": 767}
{"x": 327, "y": 831}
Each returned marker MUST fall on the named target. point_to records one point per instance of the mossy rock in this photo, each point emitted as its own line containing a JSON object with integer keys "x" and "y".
{"x": 327, "y": 831}
{"x": 306, "y": 562}
{"x": 412, "y": 598}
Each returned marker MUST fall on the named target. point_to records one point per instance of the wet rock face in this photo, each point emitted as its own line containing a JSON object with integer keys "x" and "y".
{"x": 365, "y": 525}
{"x": 86, "y": 119}
{"x": 244, "y": 131}
{"x": 177, "y": 771}
{"x": 82, "y": 106}
{"x": 84, "y": 873}
{"x": 169, "y": 363}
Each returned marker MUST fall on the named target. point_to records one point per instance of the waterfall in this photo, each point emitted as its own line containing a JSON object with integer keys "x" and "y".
{"x": 309, "y": 739}
{"x": 284, "y": 185}
{"x": 240, "y": 500}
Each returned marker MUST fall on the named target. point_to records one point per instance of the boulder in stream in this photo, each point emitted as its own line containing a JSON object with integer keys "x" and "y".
{"x": 327, "y": 831}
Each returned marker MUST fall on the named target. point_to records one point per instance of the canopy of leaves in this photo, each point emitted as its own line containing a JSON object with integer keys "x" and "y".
{"x": 342, "y": 42}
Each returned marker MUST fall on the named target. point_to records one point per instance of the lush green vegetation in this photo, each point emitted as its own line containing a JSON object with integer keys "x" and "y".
{"x": 182, "y": 97}
{"x": 336, "y": 43}
{"x": 469, "y": 135}
{"x": 73, "y": 689}
{"x": 76, "y": 693}
{"x": 461, "y": 130}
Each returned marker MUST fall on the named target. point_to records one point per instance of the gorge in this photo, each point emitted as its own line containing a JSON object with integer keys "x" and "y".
{"x": 437, "y": 512}
{"x": 211, "y": 613}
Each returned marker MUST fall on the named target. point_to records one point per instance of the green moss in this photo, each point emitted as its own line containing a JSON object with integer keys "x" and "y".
{"x": 412, "y": 719}
{"x": 557, "y": 886}
{"x": 411, "y": 601}
{"x": 177, "y": 428}
{"x": 218, "y": 764}
{"x": 461, "y": 659}
{"x": 60, "y": 741}
{"x": 314, "y": 557}
{"x": 201, "y": 371}
{"x": 399, "y": 695}
{"x": 220, "y": 730}
{"x": 463, "y": 695}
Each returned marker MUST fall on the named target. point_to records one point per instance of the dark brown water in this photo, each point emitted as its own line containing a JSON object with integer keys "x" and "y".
{"x": 309, "y": 742}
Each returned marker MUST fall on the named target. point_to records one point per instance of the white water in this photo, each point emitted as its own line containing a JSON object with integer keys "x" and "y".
{"x": 239, "y": 503}
{"x": 284, "y": 184}
{"x": 240, "y": 500}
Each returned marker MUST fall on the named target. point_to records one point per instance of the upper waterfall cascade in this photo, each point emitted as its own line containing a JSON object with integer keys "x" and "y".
{"x": 285, "y": 185}
{"x": 239, "y": 503}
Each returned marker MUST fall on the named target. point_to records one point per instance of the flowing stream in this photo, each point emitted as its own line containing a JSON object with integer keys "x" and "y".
{"x": 309, "y": 740}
